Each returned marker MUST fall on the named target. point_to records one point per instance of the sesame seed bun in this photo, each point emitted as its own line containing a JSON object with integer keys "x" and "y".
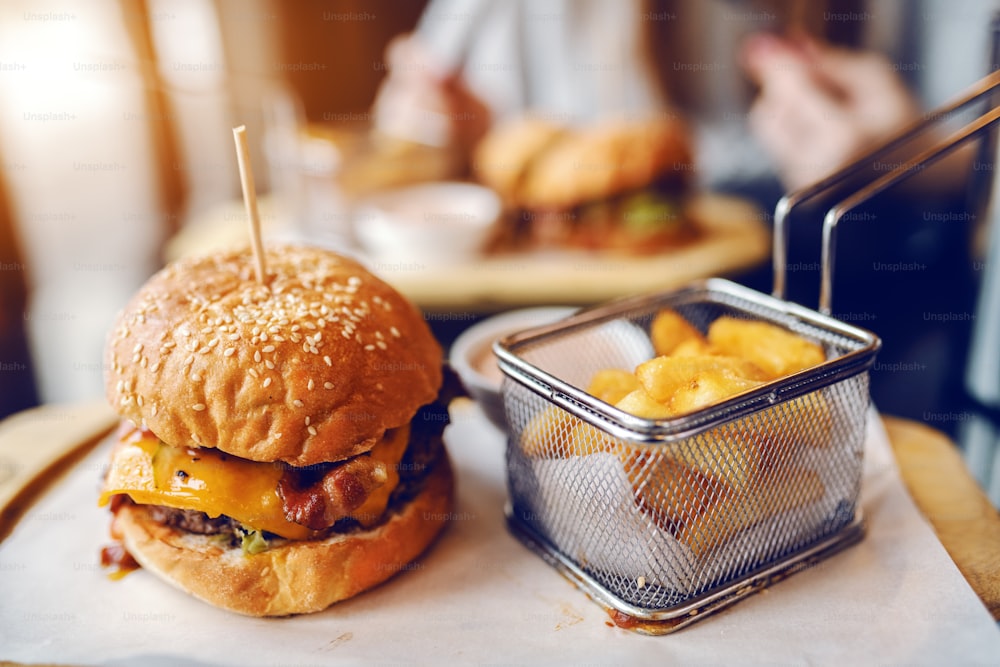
{"x": 314, "y": 366}
{"x": 299, "y": 576}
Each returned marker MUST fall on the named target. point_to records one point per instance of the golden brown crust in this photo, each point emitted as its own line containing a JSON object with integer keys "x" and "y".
{"x": 610, "y": 158}
{"x": 502, "y": 159}
{"x": 300, "y": 576}
{"x": 312, "y": 367}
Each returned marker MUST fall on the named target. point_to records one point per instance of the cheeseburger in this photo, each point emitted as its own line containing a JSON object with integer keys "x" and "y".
{"x": 280, "y": 447}
{"x": 617, "y": 184}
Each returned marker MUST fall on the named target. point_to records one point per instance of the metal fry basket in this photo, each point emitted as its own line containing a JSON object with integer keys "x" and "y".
{"x": 662, "y": 521}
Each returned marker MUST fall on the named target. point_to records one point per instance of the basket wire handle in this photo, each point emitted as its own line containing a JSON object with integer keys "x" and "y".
{"x": 905, "y": 169}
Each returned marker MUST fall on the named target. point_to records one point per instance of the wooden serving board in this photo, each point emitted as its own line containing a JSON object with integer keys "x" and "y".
{"x": 736, "y": 237}
{"x": 952, "y": 502}
{"x": 37, "y": 445}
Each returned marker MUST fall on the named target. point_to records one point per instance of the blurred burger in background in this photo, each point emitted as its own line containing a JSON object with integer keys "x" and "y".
{"x": 618, "y": 184}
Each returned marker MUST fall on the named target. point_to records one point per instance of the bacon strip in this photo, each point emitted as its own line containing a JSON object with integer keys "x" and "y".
{"x": 320, "y": 503}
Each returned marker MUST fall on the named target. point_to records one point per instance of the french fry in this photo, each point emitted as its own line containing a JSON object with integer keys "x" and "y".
{"x": 778, "y": 352}
{"x": 548, "y": 435}
{"x": 695, "y": 347}
{"x": 669, "y": 330}
{"x": 555, "y": 434}
{"x": 767, "y": 498}
{"x": 612, "y": 384}
{"x": 641, "y": 404}
{"x": 709, "y": 488}
{"x": 673, "y": 493}
{"x": 688, "y": 383}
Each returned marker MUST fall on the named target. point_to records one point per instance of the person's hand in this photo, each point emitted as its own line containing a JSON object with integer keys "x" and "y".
{"x": 421, "y": 100}
{"x": 820, "y": 106}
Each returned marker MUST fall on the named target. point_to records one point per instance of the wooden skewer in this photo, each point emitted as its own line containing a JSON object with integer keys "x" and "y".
{"x": 250, "y": 200}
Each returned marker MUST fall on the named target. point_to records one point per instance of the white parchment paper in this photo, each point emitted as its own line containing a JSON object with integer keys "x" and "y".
{"x": 480, "y": 597}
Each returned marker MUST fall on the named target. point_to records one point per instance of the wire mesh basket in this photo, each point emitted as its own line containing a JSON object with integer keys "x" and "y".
{"x": 662, "y": 521}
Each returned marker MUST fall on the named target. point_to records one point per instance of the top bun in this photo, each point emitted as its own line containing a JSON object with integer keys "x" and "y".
{"x": 503, "y": 157}
{"x": 607, "y": 159}
{"x": 536, "y": 164}
{"x": 313, "y": 366}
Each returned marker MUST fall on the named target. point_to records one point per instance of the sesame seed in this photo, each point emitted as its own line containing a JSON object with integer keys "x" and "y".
{"x": 230, "y": 351}
{"x": 213, "y": 342}
{"x": 310, "y": 385}
{"x": 155, "y": 367}
{"x": 143, "y": 362}
{"x": 268, "y": 348}
{"x": 312, "y": 430}
{"x": 198, "y": 407}
{"x": 137, "y": 348}
{"x": 328, "y": 385}
{"x": 138, "y": 399}
{"x": 381, "y": 345}
{"x": 308, "y": 419}
{"x": 234, "y": 336}
{"x": 297, "y": 403}
{"x": 269, "y": 364}
{"x": 253, "y": 373}
{"x": 205, "y": 350}
{"x": 267, "y": 382}
{"x": 195, "y": 377}
{"x": 156, "y": 408}
{"x": 136, "y": 357}
{"x": 169, "y": 345}
{"x": 369, "y": 347}
{"x": 327, "y": 360}
{"x": 256, "y": 356}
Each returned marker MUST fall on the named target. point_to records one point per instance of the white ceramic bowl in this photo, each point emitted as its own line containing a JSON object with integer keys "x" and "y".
{"x": 472, "y": 357}
{"x": 430, "y": 223}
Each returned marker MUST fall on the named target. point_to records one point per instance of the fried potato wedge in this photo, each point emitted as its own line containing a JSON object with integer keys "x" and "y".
{"x": 684, "y": 384}
{"x": 641, "y": 404}
{"x": 612, "y": 384}
{"x": 765, "y": 499}
{"x": 669, "y": 330}
{"x": 778, "y": 352}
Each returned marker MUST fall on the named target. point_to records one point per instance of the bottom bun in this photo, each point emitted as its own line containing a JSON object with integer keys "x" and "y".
{"x": 296, "y": 577}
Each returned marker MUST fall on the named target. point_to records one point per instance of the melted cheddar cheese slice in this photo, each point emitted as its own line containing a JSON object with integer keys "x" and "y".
{"x": 207, "y": 480}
